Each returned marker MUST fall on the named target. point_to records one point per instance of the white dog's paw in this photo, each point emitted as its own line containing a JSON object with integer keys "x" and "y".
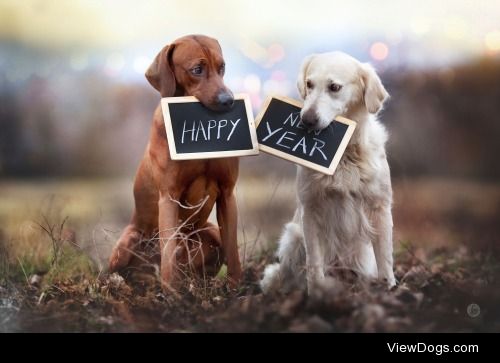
{"x": 271, "y": 280}
{"x": 390, "y": 281}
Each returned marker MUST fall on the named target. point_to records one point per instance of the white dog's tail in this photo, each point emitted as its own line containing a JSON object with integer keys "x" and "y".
{"x": 290, "y": 271}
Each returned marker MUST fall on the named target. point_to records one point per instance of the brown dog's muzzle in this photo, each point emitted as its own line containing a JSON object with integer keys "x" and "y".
{"x": 215, "y": 95}
{"x": 219, "y": 99}
{"x": 225, "y": 99}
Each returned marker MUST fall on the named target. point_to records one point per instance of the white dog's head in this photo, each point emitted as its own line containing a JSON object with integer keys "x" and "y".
{"x": 333, "y": 83}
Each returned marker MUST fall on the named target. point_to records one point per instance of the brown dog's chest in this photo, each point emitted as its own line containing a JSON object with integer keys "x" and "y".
{"x": 201, "y": 183}
{"x": 195, "y": 184}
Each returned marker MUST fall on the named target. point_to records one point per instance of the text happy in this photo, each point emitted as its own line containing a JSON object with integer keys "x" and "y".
{"x": 204, "y": 130}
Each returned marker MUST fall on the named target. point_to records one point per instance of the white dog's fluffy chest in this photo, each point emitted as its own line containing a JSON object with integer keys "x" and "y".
{"x": 362, "y": 173}
{"x": 343, "y": 204}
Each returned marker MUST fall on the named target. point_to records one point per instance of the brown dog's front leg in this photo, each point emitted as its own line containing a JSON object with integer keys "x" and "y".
{"x": 124, "y": 249}
{"x": 168, "y": 214}
{"x": 227, "y": 217}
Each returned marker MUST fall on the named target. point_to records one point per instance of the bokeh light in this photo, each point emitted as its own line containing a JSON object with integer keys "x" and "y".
{"x": 278, "y": 75}
{"x": 252, "y": 83}
{"x": 492, "y": 41}
{"x": 114, "y": 64}
{"x": 141, "y": 64}
{"x": 253, "y": 50}
{"x": 379, "y": 51}
{"x": 276, "y": 53}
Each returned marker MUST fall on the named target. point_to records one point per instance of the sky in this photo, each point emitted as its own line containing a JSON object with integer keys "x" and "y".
{"x": 462, "y": 23}
{"x": 266, "y": 38}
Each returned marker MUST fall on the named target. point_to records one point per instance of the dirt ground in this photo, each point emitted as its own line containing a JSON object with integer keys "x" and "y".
{"x": 446, "y": 255}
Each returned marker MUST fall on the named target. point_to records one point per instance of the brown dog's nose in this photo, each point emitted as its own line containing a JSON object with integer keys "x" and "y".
{"x": 225, "y": 99}
{"x": 310, "y": 119}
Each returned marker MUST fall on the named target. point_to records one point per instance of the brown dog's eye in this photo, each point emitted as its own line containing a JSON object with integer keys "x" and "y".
{"x": 222, "y": 69}
{"x": 335, "y": 87}
{"x": 309, "y": 84}
{"x": 197, "y": 71}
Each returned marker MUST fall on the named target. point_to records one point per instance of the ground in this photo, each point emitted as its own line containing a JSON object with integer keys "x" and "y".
{"x": 446, "y": 264}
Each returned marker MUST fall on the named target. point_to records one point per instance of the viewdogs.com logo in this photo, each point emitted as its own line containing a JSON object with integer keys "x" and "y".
{"x": 437, "y": 349}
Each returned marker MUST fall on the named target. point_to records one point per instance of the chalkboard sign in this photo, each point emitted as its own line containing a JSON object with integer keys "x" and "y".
{"x": 280, "y": 132}
{"x": 195, "y": 132}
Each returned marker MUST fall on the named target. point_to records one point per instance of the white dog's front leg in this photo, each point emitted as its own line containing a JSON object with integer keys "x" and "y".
{"x": 314, "y": 259}
{"x": 382, "y": 245}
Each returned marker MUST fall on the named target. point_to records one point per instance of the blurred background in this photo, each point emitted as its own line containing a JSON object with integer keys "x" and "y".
{"x": 75, "y": 108}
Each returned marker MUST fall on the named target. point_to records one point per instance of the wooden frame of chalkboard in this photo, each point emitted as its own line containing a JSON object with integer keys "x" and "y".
{"x": 253, "y": 146}
{"x": 351, "y": 125}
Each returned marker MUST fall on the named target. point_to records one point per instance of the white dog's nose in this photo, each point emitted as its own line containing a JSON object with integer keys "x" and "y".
{"x": 310, "y": 119}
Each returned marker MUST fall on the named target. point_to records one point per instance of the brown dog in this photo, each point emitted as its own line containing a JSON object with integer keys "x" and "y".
{"x": 166, "y": 190}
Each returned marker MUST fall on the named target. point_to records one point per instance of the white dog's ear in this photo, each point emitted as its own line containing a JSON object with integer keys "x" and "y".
{"x": 374, "y": 91}
{"x": 301, "y": 80}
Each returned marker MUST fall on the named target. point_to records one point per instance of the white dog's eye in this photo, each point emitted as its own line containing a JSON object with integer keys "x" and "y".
{"x": 309, "y": 84}
{"x": 335, "y": 87}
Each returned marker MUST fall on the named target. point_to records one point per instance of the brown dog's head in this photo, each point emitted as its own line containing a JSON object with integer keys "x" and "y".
{"x": 192, "y": 66}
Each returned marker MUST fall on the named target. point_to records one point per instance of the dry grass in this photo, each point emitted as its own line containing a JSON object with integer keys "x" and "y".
{"x": 446, "y": 259}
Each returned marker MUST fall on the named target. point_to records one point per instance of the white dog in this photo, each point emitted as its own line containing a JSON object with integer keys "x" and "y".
{"x": 344, "y": 220}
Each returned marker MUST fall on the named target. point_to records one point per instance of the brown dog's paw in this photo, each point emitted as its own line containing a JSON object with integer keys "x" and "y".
{"x": 119, "y": 260}
{"x": 123, "y": 250}
{"x": 233, "y": 280}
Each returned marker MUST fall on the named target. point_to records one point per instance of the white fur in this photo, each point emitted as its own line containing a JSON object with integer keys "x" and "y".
{"x": 344, "y": 220}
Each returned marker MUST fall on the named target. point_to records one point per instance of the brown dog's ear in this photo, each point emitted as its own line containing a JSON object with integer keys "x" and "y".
{"x": 160, "y": 73}
{"x": 301, "y": 80}
{"x": 374, "y": 91}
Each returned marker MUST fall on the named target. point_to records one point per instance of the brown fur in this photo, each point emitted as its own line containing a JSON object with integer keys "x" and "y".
{"x": 164, "y": 186}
